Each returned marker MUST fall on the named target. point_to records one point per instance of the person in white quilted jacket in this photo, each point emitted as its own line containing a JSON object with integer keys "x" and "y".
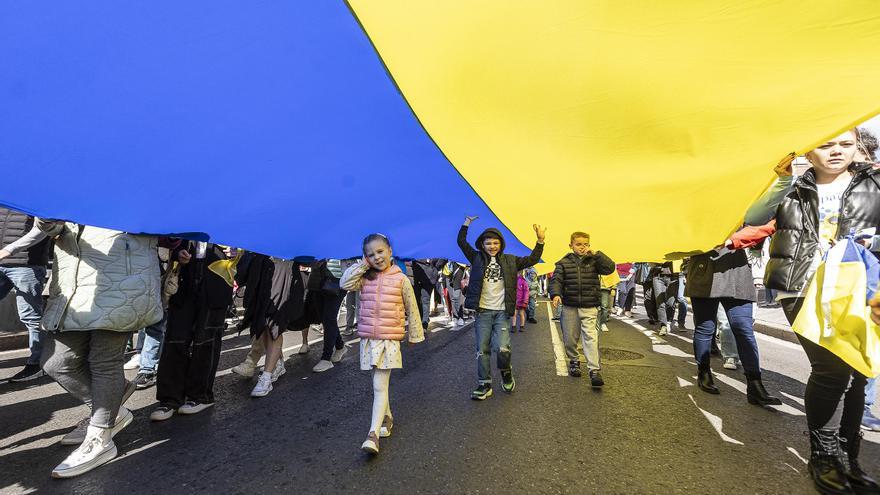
{"x": 105, "y": 286}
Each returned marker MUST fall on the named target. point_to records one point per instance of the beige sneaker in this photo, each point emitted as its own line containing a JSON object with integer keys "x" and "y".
{"x": 387, "y": 424}
{"x": 371, "y": 444}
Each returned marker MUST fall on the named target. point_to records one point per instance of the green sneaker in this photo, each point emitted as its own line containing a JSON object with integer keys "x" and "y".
{"x": 508, "y": 383}
{"x": 483, "y": 392}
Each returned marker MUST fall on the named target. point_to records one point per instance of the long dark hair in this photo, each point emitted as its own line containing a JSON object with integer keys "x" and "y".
{"x": 372, "y": 273}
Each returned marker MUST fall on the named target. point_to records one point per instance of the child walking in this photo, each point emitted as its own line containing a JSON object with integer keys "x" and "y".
{"x": 522, "y": 301}
{"x": 491, "y": 292}
{"x": 386, "y": 300}
{"x": 576, "y": 286}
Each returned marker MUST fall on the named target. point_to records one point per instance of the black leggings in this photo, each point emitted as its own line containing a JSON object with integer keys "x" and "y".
{"x": 831, "y": 381}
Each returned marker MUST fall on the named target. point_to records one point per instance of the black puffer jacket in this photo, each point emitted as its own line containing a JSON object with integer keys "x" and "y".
{"x": 797, "y": 231}
{"x": 576, "y": 279}
{"x": 510, "y": 266}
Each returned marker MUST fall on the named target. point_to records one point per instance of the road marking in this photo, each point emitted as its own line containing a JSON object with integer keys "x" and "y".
{"x": 262, "y": 360}
{"x": 558, "y": 348}
{"x": 716, "y": 423}
{"x": 684, "y": 383}
{"x": 797, "y": 454}
{"x": 794, "y": 398}
{"x": 783, "y": 343}
{"x": 794, "y": 468}
{"x": 139, "y": 449}
{"x": 741, "y": 387}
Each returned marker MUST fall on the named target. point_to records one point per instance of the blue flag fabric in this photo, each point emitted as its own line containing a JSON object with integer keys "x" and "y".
{"x": 271, "y": 126}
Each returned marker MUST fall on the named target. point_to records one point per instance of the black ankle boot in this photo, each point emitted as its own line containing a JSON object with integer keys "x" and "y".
{"x": 861, "y": 483}
{"x": 706, "y": 382}
{"x": 828, "y": 473}
{"x": 757, "y": 394}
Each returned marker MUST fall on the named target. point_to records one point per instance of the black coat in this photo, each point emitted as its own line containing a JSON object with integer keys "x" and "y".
{"x": 797, "y": 224}
{"x": 274, "y": 294}
{"x": 576, "y": 279}
{"x": 198, "y": 284}
{"x": 510, "y": 266}
{"x": 427, "y": 272}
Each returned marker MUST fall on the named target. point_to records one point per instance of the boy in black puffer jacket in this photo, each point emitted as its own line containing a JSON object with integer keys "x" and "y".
{"x": 576, "y": 286}
{"x": 492, "y": 293}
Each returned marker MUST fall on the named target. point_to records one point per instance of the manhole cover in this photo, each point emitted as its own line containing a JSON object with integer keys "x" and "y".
{"x": 611, "y": 354}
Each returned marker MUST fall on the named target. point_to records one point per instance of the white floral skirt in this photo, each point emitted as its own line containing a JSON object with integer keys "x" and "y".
{"x": 382, "y": 354}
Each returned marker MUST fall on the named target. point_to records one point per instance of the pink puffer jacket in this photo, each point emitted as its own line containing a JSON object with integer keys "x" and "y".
{"x": 382, "y": 314}
{"x": 522, "y": 292}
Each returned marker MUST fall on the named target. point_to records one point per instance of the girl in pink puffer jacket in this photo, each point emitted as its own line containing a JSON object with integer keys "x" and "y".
{"x": 386, "y": 300}
{"x": 522, "y": 302}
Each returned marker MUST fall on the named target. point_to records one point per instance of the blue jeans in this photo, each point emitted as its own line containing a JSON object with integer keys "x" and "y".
{"x": 871, "y": 392}
{"x": 150, "y": 345}
{"x": 28, "y": 283}
{"x": 681, "y": 301}
{"x": 533, "y": 301}
{"x": 492, "y": 330}
{"x": 739, "y": 313}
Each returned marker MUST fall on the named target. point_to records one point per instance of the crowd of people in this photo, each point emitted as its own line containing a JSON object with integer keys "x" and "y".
{"x": 176, "y": 295}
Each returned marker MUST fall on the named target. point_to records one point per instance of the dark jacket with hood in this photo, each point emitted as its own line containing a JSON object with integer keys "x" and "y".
{"x": 510, "y": 266}
{"x": 576, "y": 279}
{"x": 797, "y": 224}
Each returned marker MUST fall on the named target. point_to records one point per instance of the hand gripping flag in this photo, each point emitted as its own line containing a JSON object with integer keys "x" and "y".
{"x": 835, "y": 313}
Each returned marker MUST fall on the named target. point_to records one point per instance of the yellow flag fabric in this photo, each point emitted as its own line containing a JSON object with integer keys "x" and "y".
{"x": 650, "y": 125}
{"x": 610, "y": 281}
{"x": 840, "y": 321}
{"x": 227, "y": 269}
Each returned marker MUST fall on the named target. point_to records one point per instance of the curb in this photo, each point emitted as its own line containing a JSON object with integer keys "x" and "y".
{"x": 782, "y": 332}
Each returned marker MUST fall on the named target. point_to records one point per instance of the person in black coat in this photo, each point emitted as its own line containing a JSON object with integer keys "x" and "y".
{"x": 491, "y": 292}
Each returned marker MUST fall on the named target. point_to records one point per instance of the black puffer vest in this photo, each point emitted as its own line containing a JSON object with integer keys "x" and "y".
{"x": 796, "y": 240}
{"x": 14, "y": 225}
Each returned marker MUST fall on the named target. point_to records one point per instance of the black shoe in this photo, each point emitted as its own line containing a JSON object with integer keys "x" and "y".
{"x": 483, "y": 392}
{"x": 596, "y": 380}
{"x": 532, "y": 320}
{"x": 28, "y": 373}
{"x": 707, "y": 383}
{"x": 574, "y": 369}
{"x": 508, "y": 383}
{"x": 757, "y": 394}
{"x": 859, "y": 480}
{"x": 144, "y": 380}
{"x": 825, "y": 466}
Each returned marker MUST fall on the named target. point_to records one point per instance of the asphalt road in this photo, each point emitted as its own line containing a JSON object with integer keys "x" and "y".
{"x": 650, "y": 430}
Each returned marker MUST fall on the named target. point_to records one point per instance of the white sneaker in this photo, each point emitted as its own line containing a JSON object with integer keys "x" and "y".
{"x": 78, "y": 435}
{"x": 323, "y": 365}
{"x": 278, "y": 371}
{"x": 459, "y": 322}
{"x": 133, "y": 363}
{"x": 263, "y": 386}
{"x": 317, "y": 327}
{"x": 338, "y": 354}
{"x": 730, "y": 363}
{"x": 663, "y": 330}
{"x": 628, "y": 314}
{"x": 618, "y": 311}
{"x": 604, "y": 327}
{"x": 303, "y": 349}
{"x": 245, "y": 369}
{"x": 161, "y": 413}
{"x": 192, "y": 407}
{"x": 97, "y": 448}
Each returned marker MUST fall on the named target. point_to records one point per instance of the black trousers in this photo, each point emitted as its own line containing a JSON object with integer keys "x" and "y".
{"x": 831, "y": 382}
{"x": 190, "y": 354}
{"x": 650, "y": 303}
{"x": 423, "y": 297}
{"x": 329, "y": 304}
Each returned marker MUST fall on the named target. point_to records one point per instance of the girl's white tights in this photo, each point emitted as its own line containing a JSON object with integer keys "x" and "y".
{"x": 381, "y": 405}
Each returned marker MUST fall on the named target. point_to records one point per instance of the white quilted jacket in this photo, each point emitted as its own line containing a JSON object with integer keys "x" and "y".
{"x": 101, "y": 279}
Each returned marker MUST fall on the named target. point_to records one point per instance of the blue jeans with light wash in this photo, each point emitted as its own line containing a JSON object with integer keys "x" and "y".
{"x": 150, "y": 345}
{"x": 533, "y": 302}
{"x": 28, "y": 283}
{"x": 492, "y": 329}
{"x": 871, "y": 392}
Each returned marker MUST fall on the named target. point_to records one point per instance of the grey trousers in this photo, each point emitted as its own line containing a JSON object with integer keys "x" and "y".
{"x": 580, "y": 325}
{"x": 88, "y": 364}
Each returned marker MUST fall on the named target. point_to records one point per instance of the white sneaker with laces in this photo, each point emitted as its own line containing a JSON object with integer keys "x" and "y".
{"x": 278, "y": 371}
{"x": 192, "y": 407}
{"x": 133, "y": 363}
{"x": 263, "y": 386}
{"x": 303, "y": 349}
{"x": 78, "y": 435}
{"x": 245, "y": 369}
{"x": 628, "y": 314}
{"x": 161, "y": 413}
{"x": 97, "y": 449}
{"x": 338, "y": 354}
{"x": 459, "y": 322}
{"x": 730, "y": 363}
{"x": 323, "y": 365}
{"x": 663, "y": 330}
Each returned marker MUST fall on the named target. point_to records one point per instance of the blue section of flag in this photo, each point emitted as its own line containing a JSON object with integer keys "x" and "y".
{"x": 267, "y": 125}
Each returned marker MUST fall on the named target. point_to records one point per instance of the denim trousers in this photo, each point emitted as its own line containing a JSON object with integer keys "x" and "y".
{"x": 149, "y": 344}
{"x": 533, "y": 303}
{"x": 88, "y": 365}
{"x": 581, "y": 324}
{"x": 28, "y": 283}
{"x": 870, "y": 392}
{"x": 456, "y": 300}
{"x": 492, "y": 331}
{"x": 835, "y": 395}
{"x": 739, "y": 314}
